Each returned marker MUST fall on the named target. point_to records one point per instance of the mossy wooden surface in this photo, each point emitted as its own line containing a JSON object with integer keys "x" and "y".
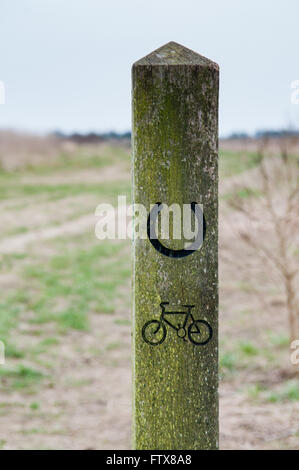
{"x": 175, "y": 126}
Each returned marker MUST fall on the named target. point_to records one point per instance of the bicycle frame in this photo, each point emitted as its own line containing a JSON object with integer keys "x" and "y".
{"x": 193, "y": 329}
{"x": 187, "y": 314}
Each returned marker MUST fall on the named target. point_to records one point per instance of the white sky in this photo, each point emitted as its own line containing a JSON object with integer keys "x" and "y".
{"x": 66, "y": 63}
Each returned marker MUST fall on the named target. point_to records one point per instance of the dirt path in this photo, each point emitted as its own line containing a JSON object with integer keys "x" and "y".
{"x": 88, "y": 176}
{"x": 75, "y": 227}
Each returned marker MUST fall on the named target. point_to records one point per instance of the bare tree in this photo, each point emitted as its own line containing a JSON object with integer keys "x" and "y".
{"x": 274, "y": 233}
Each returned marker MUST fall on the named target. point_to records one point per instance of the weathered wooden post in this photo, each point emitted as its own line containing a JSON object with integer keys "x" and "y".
{"x": 175, "y": 355}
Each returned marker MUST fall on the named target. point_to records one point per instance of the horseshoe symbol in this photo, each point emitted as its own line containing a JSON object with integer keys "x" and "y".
{"x": 151, "y": 221}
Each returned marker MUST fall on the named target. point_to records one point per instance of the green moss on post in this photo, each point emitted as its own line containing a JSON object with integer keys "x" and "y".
{"x": 175, "y": 127}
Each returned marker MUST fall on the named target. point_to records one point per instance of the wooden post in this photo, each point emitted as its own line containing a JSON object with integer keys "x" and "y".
{"x": 175, "y": 144}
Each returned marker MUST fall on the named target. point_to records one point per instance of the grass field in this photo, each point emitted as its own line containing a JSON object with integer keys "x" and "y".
{"x": 65, "y": 311}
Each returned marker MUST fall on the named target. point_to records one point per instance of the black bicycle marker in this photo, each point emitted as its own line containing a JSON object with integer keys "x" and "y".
{"x": 154, "y": 331}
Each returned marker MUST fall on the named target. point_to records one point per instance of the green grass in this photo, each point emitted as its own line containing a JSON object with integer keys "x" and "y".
{"x": 19, "y": 377}
{"x": 82, "y": 159}
{"x": 6, "y": 404}
{"x": 248, "y": 349}
{"x": 12, "y": 184}
{"x": 254, "y": 391}
{"x": 75, "y": 283}
{"x": 287, "y": 392}
{"x": 34, "y": 406}
{"x": 242, "y": 193}
{"x": 79, "y": 280}
{"x": 77, "y": 383}
{"x": 122, "y": 321}
{"x": 244, "y": 286}
{"x": 239, "y": 355}
{"x": 77, "y": 277}
{"x": 83, "y": 277}
{"x": 281, "y": 340}
{"x": 59, "y": 191}
{"x": 10, "y": 309}
{"x": 12, "y": 351}
{"x": 17, "y": 231}
{"x": 42, "y": 347}
{"x": 114, "y": 345}
{"x": 75, "y": 319}
{"x": 49, "y": 342}
{"x": 235, "y": 162}
{"x": 228, "y": 362}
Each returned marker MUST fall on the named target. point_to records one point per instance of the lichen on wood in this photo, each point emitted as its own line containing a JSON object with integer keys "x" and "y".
{"x": 175, "y": 145}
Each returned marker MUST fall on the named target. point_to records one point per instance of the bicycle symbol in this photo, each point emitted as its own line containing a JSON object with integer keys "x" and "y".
{"x": 199, "y": 331}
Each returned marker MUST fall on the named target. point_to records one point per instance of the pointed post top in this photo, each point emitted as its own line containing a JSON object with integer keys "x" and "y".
{"x": 173, "y": 53}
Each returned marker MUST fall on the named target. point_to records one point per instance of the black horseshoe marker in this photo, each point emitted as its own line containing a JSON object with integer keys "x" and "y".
{"x": 151, "y": 221}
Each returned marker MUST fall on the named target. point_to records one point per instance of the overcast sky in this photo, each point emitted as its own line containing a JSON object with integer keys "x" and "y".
{"x": 66, "y": 63}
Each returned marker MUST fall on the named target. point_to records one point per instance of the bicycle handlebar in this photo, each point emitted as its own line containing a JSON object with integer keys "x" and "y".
{"x": 167, "y": 303}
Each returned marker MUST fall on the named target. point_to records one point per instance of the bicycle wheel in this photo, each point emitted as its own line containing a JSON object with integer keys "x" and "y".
{"x": 200, "y": 332}
{"x": 154, "y": 332}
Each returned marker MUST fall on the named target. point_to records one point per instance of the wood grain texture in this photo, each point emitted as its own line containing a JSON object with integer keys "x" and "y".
{"x": 175, "y": 145}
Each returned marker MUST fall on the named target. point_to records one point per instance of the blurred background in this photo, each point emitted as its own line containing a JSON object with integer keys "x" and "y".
{"x": 65, "y": 117}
